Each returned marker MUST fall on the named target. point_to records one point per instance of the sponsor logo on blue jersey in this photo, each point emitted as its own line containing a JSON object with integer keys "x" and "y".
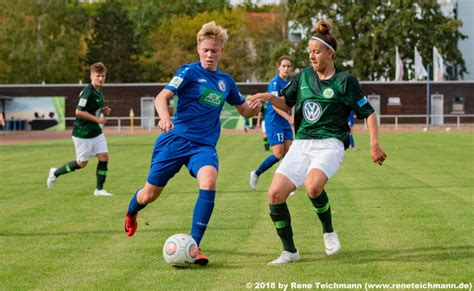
{"x": 211, "y": 97}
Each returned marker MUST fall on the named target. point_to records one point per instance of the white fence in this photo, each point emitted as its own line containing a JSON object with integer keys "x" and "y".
{"x": 395, "y": 121}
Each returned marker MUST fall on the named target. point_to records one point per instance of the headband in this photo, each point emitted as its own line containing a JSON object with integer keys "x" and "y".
{"x": 325, "y": 43}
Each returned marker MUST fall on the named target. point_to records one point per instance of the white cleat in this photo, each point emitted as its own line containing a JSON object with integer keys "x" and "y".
{"x": 285, "y": 258}
{"x": 331, "y": 243}
{"x": 253, "y": 180}
{"x": 292, "y": 193}
{"x": 102, "y": 193}
{"x": 51, "y": 178}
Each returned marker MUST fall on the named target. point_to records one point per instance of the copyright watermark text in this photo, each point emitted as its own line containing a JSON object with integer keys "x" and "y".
{"x": 354, "y": 286}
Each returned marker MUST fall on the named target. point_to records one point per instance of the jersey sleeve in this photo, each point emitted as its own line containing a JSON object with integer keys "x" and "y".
{"x": 83, "y": 97}
{"x": 274, "y": 88}
{"x": 355, "y": 98}
{"x": 180, "y": 79}
{"x": 290, "y": 92}
{"x": 234, "y": 97}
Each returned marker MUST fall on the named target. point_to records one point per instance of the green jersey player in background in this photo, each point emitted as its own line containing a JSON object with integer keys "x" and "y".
{"x": 323, "y": 98}
{"x": 89, "y": 141}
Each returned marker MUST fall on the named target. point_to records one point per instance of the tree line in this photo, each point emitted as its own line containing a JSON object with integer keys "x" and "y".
{"x": 148, "y": 40}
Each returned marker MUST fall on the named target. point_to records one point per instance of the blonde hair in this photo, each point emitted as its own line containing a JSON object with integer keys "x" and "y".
{"x": 323, "y": 31}
{"x": 98, "y": 67}
{"x": 213, "y": 31}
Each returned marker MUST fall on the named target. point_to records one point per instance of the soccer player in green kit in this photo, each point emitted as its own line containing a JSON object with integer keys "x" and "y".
{"x": 323, "y": 97}
{"x": 87, "y": 133}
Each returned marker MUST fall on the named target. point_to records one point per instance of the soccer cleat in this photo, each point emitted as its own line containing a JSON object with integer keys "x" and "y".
{"x": 331, "y": 243}
{"x": 102, "y": 193}
{"x": 130, "y": 224}
{"x": 292, "y": 193}
{"x": 201, "y": 259}
{"x": 51, "y": 178}
{"x": 253, "y": 180}
{"x": 285, "y": 258}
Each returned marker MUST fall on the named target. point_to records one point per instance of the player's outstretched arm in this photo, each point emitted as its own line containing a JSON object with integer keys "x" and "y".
{"x": 161, "y": 106}
{"x": 378, "y": 155}
{"x": 278, "y": 102}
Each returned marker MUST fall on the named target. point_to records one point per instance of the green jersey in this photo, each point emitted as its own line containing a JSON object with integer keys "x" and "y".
{"x": 92, "y": 101}
{"x": 323, "y": 106}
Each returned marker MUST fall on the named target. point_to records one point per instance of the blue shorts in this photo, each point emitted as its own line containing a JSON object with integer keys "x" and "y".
{"x": 278, "y": 135}
{"x": 171, "y": 152}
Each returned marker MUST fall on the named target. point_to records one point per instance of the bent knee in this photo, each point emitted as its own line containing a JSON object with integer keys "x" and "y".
{"x": 314, "y": 191}
{"x": 275, "y": 196}
{"x": 279, "y": 155}
{"x": 207, "y": 183}
{"x": 81, "y": 164}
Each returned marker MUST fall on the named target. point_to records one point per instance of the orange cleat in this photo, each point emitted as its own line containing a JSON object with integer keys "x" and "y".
{"x": 201, "y": 259}
{"x": 130, "y": 224}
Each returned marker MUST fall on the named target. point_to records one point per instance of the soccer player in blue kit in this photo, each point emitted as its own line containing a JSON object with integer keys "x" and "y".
{"x": 350, "y": 122}
{"x": 190, "y": 138}
{"x": 277, "y": 122}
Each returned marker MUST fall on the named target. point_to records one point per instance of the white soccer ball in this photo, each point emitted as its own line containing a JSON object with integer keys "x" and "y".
{"x": 180, "y": 250}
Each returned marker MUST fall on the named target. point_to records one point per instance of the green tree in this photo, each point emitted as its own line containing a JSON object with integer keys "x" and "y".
{"x": 147, "y": 14}
{"x": 40, "y": 41}
{"x": 113, "y": 42}
{"x": 173, "y": 43}
{"x": 369, "y": 31}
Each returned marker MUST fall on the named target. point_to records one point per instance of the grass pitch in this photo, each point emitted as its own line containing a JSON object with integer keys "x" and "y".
{"x": 408, "y": 221}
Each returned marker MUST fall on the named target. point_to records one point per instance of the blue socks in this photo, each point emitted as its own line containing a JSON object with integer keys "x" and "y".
{"x": 351, "y": 140}
{"x": 267, "y": 164}
{"x": 202, "y": 213}
{"x": 134, "y": 206}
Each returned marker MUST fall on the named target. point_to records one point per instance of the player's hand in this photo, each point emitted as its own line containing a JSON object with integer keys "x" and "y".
{"x": 165, "y": 125}
{"x": 378, "y": 155}
{"x": 101, "y": 120}
{"x": 255, "y": 107}
{"x": 106, "y": 110}
{"x": 258, "y": 98}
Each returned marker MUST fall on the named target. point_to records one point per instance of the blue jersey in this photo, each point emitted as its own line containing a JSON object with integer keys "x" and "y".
{"x": 201, "y": 95}
{"x": 272, "y": 118}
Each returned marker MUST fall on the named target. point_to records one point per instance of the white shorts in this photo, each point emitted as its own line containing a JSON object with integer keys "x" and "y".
{"x": 263, "y": 126}
{"x": 307, "y": 154}
{"x": 89, "y": 147}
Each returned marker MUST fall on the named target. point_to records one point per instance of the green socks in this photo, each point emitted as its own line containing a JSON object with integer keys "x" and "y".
{"x": 67, "y": 168}
{"x": 101, "y": 174}
{"x": 323, "y": 210}
{"x": 281, "y": 219}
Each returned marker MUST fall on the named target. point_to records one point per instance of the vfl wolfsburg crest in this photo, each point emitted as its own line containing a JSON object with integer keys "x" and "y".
{"x": 328, "y": 93}
{"x": 311, "y": 111}
{"x": 211, "y": 97}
